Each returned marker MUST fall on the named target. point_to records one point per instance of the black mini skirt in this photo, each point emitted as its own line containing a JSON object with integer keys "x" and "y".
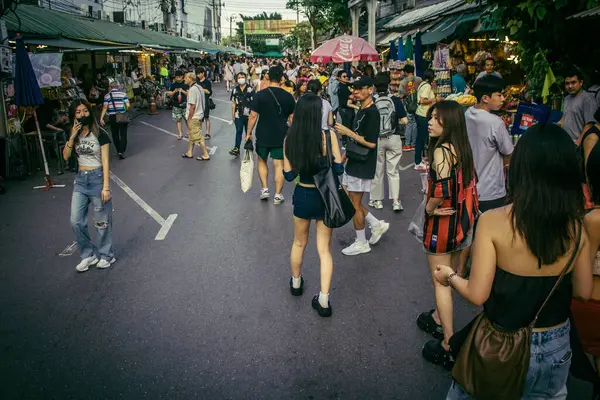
{"x": 308, "y": 204}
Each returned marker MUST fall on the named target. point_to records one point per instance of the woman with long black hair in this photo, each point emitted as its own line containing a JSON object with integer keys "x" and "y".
{"x": 519, "y": 252}
{"x": 450, "y": 213}
{"x": 92, "y": 186}
{"x": 305, "y": 154}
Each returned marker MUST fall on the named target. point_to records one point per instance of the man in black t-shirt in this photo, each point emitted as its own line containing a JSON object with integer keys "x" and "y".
{"x": 346, "y": 106}
{"x": 276, "y": 108}
{"x": 359, "y": 174}
{"x": 179, "y": 94}
{"x": 206, "y": 85}
{"x": 241, "y": 100}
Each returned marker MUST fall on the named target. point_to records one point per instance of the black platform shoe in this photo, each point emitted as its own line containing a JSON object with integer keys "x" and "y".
{"x": 323, "y": 312}
{"x": 426, "y": 322}
{"x": 300, "y": 290}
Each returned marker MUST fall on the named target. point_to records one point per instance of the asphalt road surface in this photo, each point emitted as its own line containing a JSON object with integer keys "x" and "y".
{"x": 206, "y": 312}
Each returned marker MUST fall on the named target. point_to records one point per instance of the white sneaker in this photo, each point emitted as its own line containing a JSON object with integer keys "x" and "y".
{"x": 421, "y": 167}
{"x": 264, "y": 194}
{"x": 377, "y": 204}
{"x": 105, "y": 263}
{"x": 397, "y": 206}
{"x": 357, "y": 248}
{"x": 278, "y": 199}
{"x": 84, "y": 265}
{"x": 377, "y": 233}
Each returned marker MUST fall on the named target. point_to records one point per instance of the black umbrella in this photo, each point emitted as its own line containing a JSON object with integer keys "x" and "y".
{"x": 28, "y": 94}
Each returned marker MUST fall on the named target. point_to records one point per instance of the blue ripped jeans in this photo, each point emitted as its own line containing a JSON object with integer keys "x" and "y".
{"x": 549, "y": 363}
{"x": 88, "y": 190}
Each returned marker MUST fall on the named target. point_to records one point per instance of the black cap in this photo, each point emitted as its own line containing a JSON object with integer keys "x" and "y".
{"x": 179, "y": 73}
{"x": 363, "y": 81}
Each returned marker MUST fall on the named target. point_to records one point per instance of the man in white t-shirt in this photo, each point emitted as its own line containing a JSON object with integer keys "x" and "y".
{"x": 490, "y": 64}
{"x": 490, "y": 142}
{"x": 196, "y": 103}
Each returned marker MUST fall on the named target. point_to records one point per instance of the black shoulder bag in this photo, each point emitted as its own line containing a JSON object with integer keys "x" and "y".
{"x": 356, "y": 151}
{"x": 339, "y": 210}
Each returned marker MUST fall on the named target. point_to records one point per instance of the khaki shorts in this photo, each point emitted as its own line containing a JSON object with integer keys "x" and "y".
{"x": 195, "y": 131}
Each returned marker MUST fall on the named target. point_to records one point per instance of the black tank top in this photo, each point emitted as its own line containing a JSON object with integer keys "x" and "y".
{"x": 515, "y": 299}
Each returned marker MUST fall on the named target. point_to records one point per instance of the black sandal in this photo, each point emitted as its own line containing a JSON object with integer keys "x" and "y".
{"x": 186, "y": 156}
{"x": 426, "y": 322}
{"x": 434, "y": 352}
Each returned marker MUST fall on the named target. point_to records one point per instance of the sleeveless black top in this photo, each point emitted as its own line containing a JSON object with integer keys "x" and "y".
{"x": 514, "y": 300}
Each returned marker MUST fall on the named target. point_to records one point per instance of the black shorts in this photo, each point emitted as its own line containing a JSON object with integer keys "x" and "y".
{"x": 308, "y": 203}
{"x": 206, "y": 114}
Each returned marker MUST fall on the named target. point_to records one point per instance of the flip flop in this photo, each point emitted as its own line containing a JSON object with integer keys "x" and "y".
{"x": 186, "y": 156}
{"x": 202, "y": 159}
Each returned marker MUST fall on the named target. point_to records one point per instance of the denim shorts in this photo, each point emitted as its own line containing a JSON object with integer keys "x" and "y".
{"x": 308, "y": 203}
{"x": 549, "y": 363}
{"x": 89, "y": 183}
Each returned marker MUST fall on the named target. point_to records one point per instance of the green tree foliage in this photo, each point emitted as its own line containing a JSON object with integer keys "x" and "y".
{"x": 323, "y": 15}
{"x": 547, "y": 38}
{"x": 302, "y": 32}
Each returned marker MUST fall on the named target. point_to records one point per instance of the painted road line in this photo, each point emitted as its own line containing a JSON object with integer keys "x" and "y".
{"x": 407, "y": 166}
{"x": 223, "y": 101}
{"x": 221, "y": 119}
{"x": 211, "y": 150}
{"x": 165, "y": 224}
{"x": 69, "y": 250}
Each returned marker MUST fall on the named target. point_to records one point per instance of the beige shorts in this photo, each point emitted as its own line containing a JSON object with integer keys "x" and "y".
{"x": 195, "y": 131}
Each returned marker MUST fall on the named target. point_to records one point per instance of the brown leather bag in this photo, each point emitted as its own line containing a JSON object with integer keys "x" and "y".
{"x": 121, "y": 118}
{"x": 493, "y": 363}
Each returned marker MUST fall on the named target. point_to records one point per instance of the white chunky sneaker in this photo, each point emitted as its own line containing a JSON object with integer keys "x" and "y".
{"x": 377, "y": 232}
{"x": 84, "y": 265}
{"x": 356, "y": 248}
{"x": 105, "y": 263}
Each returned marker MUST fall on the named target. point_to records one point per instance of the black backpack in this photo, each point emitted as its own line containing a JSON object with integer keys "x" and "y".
{"x": 411, "y": 101}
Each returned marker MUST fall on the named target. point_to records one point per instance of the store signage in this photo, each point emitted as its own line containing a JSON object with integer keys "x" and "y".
{"x": 526, "y": 121}
{"x": 344, "y": 50}
{"x": 272, "y": 42}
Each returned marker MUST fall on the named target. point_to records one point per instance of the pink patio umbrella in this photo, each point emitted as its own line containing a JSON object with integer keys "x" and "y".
{"x": 344, "y": 48}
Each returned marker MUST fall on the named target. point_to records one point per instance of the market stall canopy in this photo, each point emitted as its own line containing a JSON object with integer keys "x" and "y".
{"x": 33, "y": 21}
{"x": 344, "y": 48}
{"x": 273, "y": 53}
{"x": 403, "y": 34}
{"x": 448, "y": 26}
{"x": 423, "y": 14}
{"x": 594, "y": 12}
{"x": 77, "y": 45}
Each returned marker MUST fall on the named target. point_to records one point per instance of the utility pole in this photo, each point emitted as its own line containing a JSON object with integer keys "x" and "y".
{"x": 297, "y": 22}
{"x": 231, "y": 26}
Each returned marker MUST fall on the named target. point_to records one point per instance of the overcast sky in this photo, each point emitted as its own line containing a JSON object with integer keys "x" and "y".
{"x": 251, "y": 7}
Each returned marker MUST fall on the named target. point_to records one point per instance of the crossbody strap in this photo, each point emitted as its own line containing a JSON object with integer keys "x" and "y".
{"x": 560, "y": 278}
{"x": 276, "y": 101}
{"x": 328, "y": 149}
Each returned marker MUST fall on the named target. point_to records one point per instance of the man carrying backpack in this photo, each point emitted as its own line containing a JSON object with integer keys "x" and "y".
{"x": 407, "y": 90}
{"x": 389, "y": 147}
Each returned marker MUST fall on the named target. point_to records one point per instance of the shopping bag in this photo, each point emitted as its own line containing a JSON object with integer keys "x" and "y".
{"x": 247, "y": 171}
{"x": 415, "y": 228}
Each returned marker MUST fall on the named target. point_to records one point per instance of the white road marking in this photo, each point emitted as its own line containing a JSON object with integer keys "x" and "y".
{"x": 211, "y": 150}
{"x": 221, "y": 119}
{"x": 165, "y": 224}
{"x": 69, "y": 250}
{"x": 223, "y": 101}
{"x": 407, "y": 166}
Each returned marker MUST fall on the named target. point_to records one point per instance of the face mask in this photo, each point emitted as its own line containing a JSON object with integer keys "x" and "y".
{"x": 242, "y": 81}
{"x": 86, "y": 120}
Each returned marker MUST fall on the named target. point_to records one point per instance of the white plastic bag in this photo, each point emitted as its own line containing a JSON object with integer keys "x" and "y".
{"x": 416, "y": 224}
{"x": 247, "y": 171}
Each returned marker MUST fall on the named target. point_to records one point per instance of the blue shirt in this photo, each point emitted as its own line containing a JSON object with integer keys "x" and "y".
{"x": 458, "y": 83}
{"x": 119, "y": 99}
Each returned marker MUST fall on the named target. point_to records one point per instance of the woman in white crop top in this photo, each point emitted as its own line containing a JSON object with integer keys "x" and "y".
{"x": 587, "y": 314}
{"x": 91, "y": 186}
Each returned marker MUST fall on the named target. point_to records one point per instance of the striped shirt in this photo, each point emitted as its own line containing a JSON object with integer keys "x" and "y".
{"x": 443, "y": 234}
{"x": 119, "y": 99}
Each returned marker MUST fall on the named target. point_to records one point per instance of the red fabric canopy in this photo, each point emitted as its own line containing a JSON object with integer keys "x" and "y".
{"x": 344, "y": 48}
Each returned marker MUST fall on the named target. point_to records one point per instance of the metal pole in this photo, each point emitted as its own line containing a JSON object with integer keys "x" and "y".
{"x": 297, "y": 22}
{"x": 245, "y": 44}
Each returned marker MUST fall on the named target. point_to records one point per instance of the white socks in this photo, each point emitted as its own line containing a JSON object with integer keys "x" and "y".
{"x": 361, "y": 236}
{"x": 296, "y": 282}
{"x": 324, "y": 300}
{"x": 372, "y": 221}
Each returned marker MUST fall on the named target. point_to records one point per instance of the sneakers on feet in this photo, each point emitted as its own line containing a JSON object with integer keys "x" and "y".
{"x": 323, "y": 312}
{"x": 397, "y": 206}
{"x": 377, "y": 232}
{"x": 264, "y": 194}
{"x": 278, "y": 199}
{"x": 235, "y": 152}
{"x": 377, "y": 204}
{"x": 421, "y": 167}
{"x": 105, "y": 263}
{"x": 85, "y": 264}
{"x": 356, "y": 248}
{"x": 406, "y": 148}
